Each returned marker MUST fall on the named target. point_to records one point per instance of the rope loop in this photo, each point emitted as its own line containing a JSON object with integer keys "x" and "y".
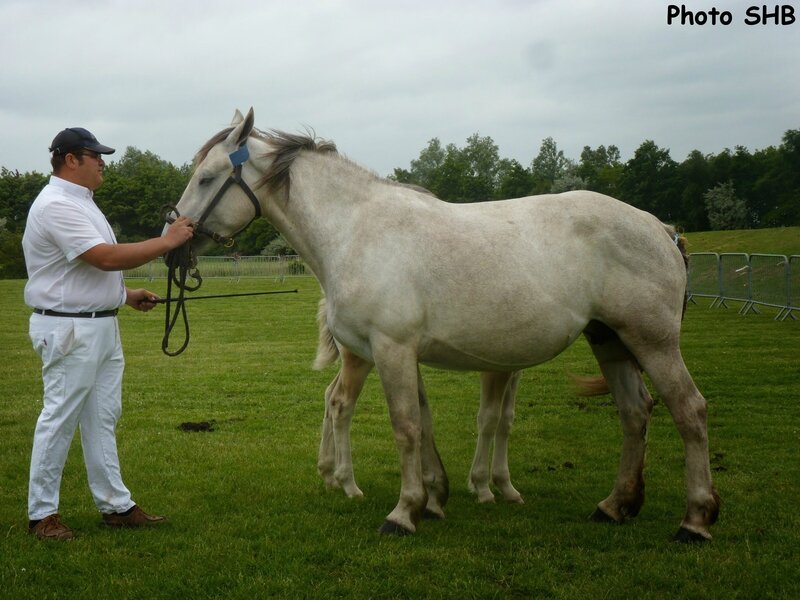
{"x": 180, "y": 261}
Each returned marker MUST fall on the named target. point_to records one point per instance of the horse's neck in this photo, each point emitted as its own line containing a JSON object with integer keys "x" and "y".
{"x": 317, "y": 218}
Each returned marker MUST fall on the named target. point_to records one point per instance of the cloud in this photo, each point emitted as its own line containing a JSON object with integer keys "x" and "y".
{"x": 381, "y": 79}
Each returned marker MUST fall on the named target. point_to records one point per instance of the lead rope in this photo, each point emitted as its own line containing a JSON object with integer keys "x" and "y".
{"x": 179, "y": 262}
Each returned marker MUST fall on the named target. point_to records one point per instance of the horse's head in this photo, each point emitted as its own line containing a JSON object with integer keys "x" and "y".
{"x": 219, "y": 198}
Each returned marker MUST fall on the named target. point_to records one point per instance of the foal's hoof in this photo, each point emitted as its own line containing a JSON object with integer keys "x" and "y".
{"x": 600, "y": 516}
{"x": 390, "y": 528}
{"x": 430, "y": 515}
{"x": 684, "y": 536}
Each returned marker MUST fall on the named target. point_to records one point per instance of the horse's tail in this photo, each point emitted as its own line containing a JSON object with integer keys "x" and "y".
{"x": 590, "y": 386}
{"x": 681, "y": 242}
{"x": 327, "y": 352}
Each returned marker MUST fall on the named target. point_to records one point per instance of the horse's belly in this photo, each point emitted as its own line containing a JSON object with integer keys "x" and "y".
{"x": 508, "y": 352}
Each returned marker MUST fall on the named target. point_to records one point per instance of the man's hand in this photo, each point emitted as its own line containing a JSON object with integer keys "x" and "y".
{"x": 118, "y": 257}
{"x": 179, "y": 232}
{"x": 140, "y": 299}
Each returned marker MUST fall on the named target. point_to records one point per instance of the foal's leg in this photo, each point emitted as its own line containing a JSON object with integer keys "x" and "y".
{"x": 635, "y": 406}
{"x": 335, "y": 462}
{"x": 498, "y": 395}
{"x": 326, "y": 459}
{"x": 433, "y": 473}
{"x": 501, "y": 476}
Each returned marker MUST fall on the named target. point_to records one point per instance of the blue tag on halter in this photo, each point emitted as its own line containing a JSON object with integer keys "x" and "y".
{"x": 240, "y": 156}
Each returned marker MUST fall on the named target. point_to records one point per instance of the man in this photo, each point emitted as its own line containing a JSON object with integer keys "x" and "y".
{"x": 75, "y": 288}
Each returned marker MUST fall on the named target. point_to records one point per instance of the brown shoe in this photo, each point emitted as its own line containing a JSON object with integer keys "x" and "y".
{"x": 135, "y": 518}
{"x": 51, "y": 528}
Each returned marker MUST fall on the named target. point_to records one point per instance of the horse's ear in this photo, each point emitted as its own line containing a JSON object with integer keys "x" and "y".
{"x": 238, "y": 117}
{"x": 242, "y": 129}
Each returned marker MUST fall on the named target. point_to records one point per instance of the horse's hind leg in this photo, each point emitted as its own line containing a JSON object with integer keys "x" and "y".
{"x": 495, "y": 418}
{"x": 674, "y": 384}
{"x": 335, "y": 462}
{"x": 635, "y": 406}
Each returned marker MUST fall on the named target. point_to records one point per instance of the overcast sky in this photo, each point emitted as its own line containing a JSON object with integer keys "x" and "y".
{"x": 383, "y": 78}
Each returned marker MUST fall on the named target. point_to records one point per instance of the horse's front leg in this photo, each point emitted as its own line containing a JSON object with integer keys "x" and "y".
{"x": 397, "y": 368}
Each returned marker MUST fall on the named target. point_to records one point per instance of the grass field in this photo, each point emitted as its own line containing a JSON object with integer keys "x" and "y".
{"x": 779, "y": 240}
{"x": 250, "y": 518}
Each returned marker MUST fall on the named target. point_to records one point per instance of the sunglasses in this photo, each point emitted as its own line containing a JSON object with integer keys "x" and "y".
{"x": 90, "y": 154}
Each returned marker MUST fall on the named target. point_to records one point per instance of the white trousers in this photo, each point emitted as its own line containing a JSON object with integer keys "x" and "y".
{"x": 82, "y": 367}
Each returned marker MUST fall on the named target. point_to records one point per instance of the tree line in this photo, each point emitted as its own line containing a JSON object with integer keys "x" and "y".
{"x": 734, "y": 189}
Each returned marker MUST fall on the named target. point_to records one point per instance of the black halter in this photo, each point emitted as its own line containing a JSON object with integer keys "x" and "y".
{"x": 181, "y": 260}
{"x": 237, "y": 158}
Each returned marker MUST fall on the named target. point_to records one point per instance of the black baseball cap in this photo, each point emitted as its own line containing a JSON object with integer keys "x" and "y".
{"x": 76, "y": 138}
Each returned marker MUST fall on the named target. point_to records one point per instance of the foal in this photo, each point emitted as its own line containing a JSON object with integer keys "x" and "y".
{"x": 495, "y": 418}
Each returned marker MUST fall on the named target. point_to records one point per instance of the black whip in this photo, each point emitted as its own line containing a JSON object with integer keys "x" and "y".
{"x": 167, "y": 300}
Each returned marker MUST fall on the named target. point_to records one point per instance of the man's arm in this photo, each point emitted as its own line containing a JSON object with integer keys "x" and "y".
{"x": 118, "y": 257}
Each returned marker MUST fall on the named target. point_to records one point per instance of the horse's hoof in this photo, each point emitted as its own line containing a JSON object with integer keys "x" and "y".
{"x": 684, "y": 536}
{"x": 429, "y": 515}
{"x": 600, "y": 516}
{"x": 391, "y": 528}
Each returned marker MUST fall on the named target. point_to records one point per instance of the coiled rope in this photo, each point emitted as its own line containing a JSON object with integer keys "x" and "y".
{"x": 180, "y": 261}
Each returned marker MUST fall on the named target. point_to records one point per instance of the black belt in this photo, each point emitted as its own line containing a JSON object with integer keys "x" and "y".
{"x": 83, "y": 315}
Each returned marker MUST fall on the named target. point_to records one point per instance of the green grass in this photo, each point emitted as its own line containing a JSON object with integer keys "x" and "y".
{"x": 250, "y": 518}
{"x": 780, "y": 240}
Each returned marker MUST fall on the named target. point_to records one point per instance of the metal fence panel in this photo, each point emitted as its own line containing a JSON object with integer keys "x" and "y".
{"x": 769, "y": 276}
{"x": 752, "y": 279}
{"x": 704, "y": 275}
{"x": 734, "y": 278}
{"x": 793, "y": 292}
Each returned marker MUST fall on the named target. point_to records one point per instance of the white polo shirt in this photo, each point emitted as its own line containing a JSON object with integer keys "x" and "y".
{"x": 63, "y": 223}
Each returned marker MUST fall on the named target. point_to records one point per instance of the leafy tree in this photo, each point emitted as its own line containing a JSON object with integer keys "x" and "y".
{"x": 513, "y": 180}
{"x": 12, "y": 261}
{"x": 567, "y": 182}
{"x": 696, "y": 179}
{"x": 278, "y": 246}
{"x": 467, "y": 174}
{"x": 481, "y": 158}
{"x": 775, "y": 196}
{"x": 725, "y": 209}
{"x": 549, "y": 165}
{"x": 424, "y": 170}
{"x": 135, "y": 191}
{"x": 600, "y": 169}
{"x": 253, "y": 240}
{"x": 649, "y": 180}
{"x": 17, "y": 193}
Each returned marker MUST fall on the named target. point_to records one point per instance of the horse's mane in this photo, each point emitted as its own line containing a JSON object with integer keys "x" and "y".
{"x": 285, "y": 147}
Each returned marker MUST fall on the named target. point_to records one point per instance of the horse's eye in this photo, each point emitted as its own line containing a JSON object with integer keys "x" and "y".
{"x": 205, "y": 180}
